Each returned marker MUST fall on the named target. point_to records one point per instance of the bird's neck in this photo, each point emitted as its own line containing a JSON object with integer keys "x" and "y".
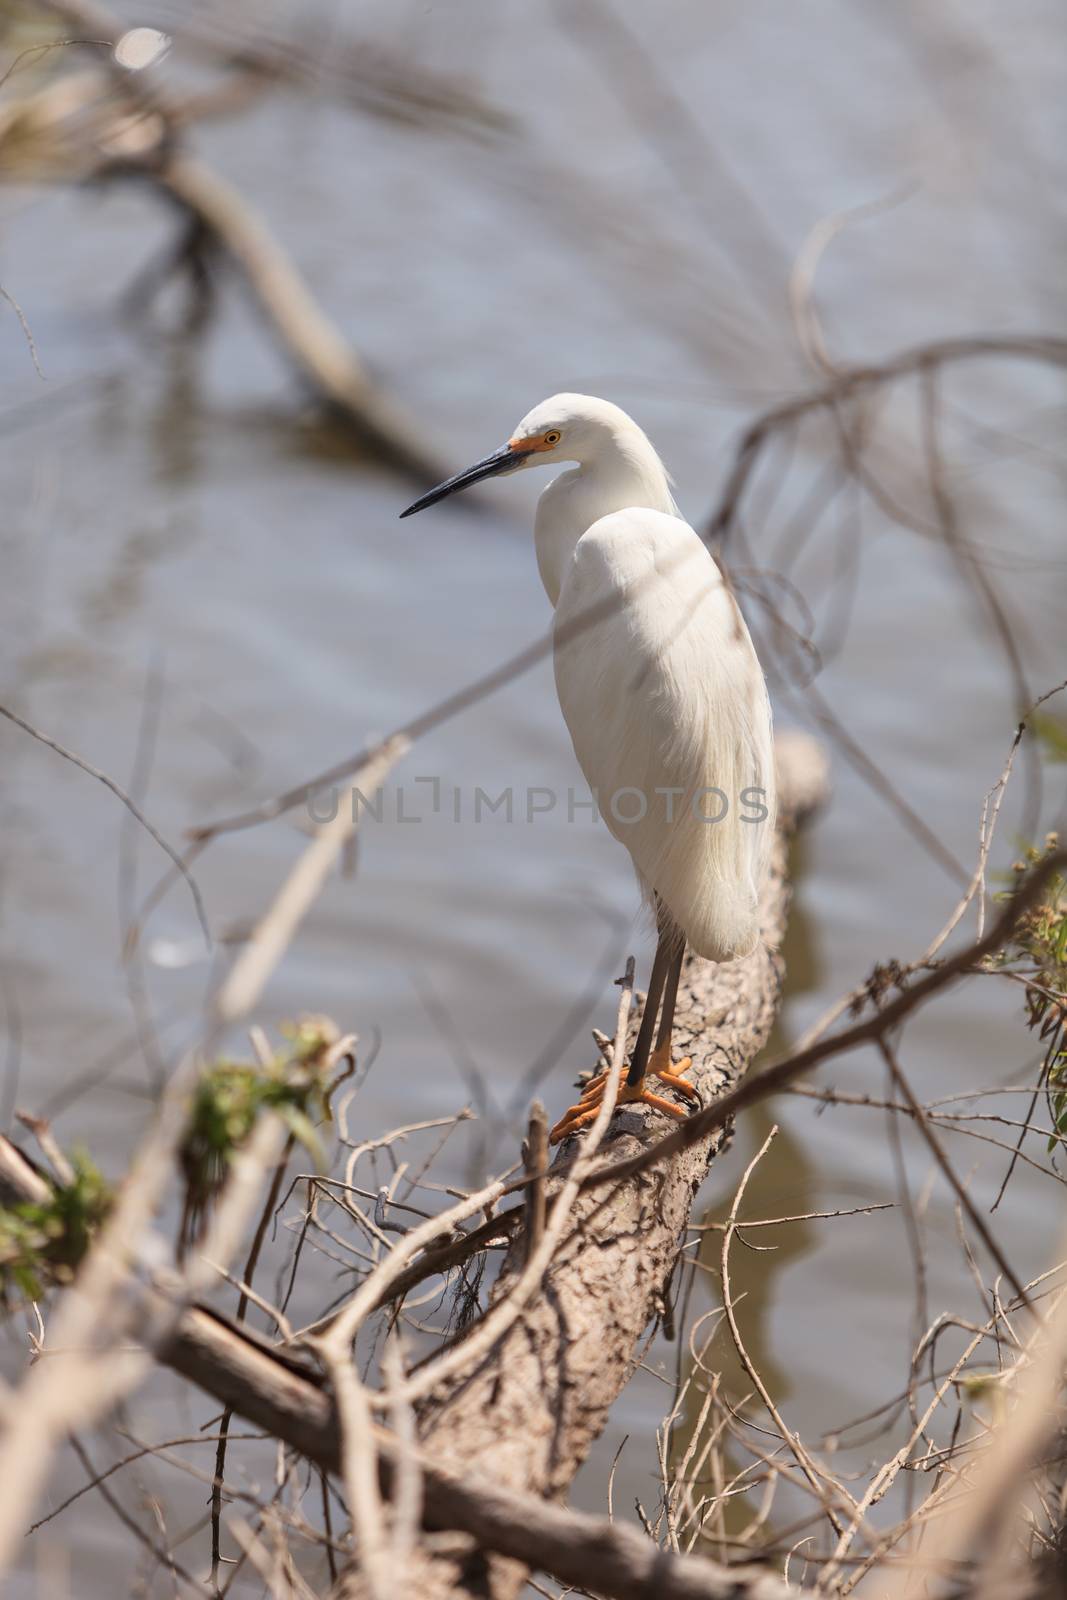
{"x": 633, "y": 476}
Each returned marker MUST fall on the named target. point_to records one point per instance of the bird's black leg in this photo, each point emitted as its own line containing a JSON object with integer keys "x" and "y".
{"x": 660, "y": 1062}
{"x": 661, "y": 961}
{"x": 670, "y": 998}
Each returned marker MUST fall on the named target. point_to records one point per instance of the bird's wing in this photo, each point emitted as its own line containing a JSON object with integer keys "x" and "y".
{"x": 667, "y": 708}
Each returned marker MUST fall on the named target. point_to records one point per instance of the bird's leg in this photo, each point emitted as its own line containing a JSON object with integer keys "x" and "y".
{"x": 665, "y": 967}
{"x": 639, "y": 1060}
{"x": 660, "y": 1062}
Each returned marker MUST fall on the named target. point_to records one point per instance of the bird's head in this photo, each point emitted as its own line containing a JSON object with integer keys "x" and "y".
{"x": 568, "y": 427}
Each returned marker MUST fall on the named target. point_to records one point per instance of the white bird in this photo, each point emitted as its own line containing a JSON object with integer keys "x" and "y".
{"x": 662, "y": 692}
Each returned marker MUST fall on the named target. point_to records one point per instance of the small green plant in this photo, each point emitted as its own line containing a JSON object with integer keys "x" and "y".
{"x": 1038, "y": 949}
{"x": 44, "y": 1243}
{"x": 231, "y": 1095}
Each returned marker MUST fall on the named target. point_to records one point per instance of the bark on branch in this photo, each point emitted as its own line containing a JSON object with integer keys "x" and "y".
{"x": 291, "y": 1403}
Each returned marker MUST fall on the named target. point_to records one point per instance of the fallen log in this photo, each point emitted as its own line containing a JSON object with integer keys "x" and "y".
{"x": 104, "y": 124}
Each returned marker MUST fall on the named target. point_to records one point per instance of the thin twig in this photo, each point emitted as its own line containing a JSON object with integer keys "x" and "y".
{"x": 937, "y": 1150}
{"x": 121, "y": 795}
{"x": 816, "y": 1477}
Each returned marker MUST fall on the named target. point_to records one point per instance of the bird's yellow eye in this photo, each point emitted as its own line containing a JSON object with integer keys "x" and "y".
{"x": 553, "y": 436}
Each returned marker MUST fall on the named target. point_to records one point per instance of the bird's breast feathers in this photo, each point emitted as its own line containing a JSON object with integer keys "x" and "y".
{"x": 667, "y": 710}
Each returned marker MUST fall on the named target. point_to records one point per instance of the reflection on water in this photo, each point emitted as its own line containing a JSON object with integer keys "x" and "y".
{"x": 784, "y": 1183}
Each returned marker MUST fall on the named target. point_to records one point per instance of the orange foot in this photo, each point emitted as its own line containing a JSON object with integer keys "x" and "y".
{"x": 659, "y": 1066}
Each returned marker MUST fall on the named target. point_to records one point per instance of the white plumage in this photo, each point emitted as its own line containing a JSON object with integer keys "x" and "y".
{"x": 662, "y": 693}
{"x": 660, "y": 687}
{"x": 669, "y": 725}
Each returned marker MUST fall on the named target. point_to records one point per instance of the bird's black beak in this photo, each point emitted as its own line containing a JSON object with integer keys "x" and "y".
{"x": 503, "y": 460}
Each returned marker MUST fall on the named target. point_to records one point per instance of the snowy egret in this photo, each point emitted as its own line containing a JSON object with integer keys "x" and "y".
{"x": 663, "y": 694}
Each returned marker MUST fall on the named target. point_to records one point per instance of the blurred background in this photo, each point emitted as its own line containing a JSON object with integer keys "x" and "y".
{"x": 699, "y": 211}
